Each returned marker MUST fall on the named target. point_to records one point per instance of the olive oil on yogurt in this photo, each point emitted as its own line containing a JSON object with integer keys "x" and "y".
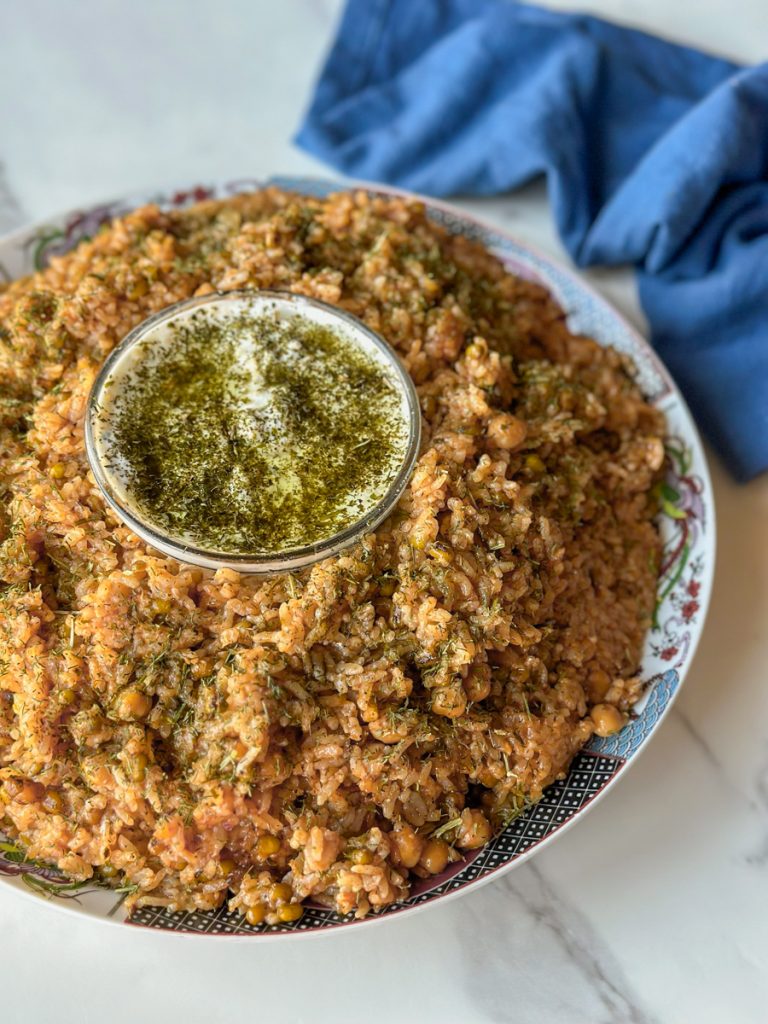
{"x": 252, "y": 432}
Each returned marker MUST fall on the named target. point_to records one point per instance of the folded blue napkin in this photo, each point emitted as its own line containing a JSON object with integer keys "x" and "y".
{"x": 654, "y": 154}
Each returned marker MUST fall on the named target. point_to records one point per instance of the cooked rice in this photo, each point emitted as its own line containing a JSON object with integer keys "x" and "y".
{"x": 207, "y": 737}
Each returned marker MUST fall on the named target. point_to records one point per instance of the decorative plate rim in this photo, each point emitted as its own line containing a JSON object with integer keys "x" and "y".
{"x": 560, "y": 280}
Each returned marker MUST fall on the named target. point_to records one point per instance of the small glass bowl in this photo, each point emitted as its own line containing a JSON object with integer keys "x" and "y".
{"x": 261, "y": 563}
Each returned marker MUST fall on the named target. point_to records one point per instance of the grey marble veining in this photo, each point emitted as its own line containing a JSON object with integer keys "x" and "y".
{"x": 590, "y": 984}
{"x": 704, "y": 747}
{"x": 759, "y": 857}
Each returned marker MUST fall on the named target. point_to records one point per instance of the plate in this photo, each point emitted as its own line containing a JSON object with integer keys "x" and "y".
{"x": 687, "y": 527}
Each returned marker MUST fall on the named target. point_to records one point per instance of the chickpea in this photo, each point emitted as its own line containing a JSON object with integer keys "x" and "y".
{"x": 434, "y": 856}
{"x": 161, "y": 606}
{"x": 598, "y": 683}
{"x": 449, "y": 701}
{"x": 256, "y": 914}
{"x": 407, "y": 845}
{"x": 267, "y": 846}
{"x": 475, "y": 830}
{"x": 289, "y": 912}
{"x": 52, "y": 802}
{"x": 138, "y": 289}
{"x": 134, "y": 704}
{"x": 361, "y": 857}
{"x": 506, "y": 431}
{"x": 280, "y": 892}
{"x": 535, "y": 464}
{"x": 607, "y": 718}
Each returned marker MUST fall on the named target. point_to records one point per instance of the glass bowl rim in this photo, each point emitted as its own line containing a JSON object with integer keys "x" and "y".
{"x": 262, "y": 563}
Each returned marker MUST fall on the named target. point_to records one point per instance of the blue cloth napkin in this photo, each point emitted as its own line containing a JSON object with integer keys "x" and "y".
{"x": 654, "y": 154}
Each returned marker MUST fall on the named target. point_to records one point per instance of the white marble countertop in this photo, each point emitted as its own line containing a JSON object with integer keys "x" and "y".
{"x": 655, "y": 909}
